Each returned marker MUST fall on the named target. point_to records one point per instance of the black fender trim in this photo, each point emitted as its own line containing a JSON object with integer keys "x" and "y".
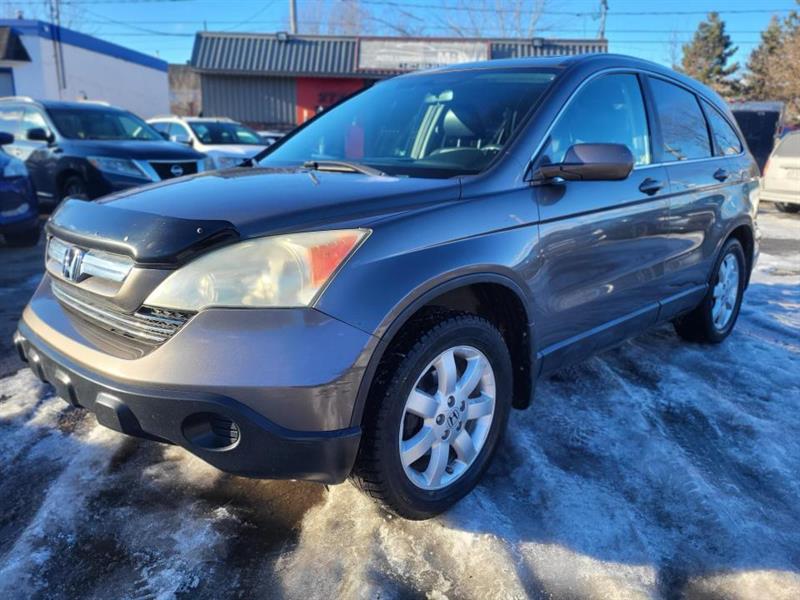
{"x": 418, "y": 302}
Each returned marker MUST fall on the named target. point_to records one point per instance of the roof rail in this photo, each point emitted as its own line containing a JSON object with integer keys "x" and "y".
{"x": 18, "y": 98}
{"x": 98, "y": 102}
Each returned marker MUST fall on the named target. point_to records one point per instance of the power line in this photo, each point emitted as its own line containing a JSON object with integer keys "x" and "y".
{"x": 484, "y": 9}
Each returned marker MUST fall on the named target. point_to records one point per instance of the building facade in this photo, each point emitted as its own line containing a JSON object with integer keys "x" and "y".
{"x": 280, "y": 80}
{"x": 48, "y": 62}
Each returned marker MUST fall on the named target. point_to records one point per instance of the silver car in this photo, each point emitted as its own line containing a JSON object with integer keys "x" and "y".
{"x": 781, "y": 181}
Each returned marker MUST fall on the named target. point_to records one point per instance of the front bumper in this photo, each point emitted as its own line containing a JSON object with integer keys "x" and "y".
{"x": 218, "y": 429}
{"x": 281, "y": 384}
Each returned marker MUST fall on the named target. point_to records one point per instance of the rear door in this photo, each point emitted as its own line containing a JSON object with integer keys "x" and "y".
{"x": 602, "y": 241}
{"x": 701, "y": 182}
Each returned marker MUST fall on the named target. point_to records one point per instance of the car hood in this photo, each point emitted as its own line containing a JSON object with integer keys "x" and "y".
{"x": 238, "y": 150}
{"x": 138, "y": 150}
{"x": 262, "y": 201}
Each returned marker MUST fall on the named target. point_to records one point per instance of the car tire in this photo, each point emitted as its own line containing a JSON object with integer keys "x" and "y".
{"x": 420, "y": 488}
{"x": 785, "y": 207}
{"x": 714, "y": 319}
{"x": 74, "y": 187}
{"x": 25, "y": 238}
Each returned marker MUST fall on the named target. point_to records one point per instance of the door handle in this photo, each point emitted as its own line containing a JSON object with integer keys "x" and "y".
{"x": 720, "y": 174}
{"x": 650, "y": 186}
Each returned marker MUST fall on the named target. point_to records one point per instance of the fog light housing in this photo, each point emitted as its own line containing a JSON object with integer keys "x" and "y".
{"x": 211, "y": 431}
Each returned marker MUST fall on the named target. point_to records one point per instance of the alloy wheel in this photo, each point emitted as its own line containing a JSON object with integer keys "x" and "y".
{"x": 447, "y": 417}
{"x": 725, "y": 292}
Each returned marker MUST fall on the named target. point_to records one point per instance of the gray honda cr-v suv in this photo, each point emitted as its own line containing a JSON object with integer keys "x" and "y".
{"x": 372, "y": 295}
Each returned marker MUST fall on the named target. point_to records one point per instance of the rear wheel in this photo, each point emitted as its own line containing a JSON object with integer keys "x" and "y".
{"x": 432, "y": 432}
{"x": 787, "y": 208}
{"x": 713, "y": 320}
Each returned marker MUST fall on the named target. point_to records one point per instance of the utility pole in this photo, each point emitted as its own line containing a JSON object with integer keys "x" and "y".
{"x": 601, "y": 32}
{"x": 293, "y": 17}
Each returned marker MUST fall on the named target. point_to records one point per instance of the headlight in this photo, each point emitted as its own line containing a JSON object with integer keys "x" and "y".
{"x": 280, "y": 271}
{"x": 228, "y": 162}
{"x": 15, "y": 168}
{"x": 117, "y": 166}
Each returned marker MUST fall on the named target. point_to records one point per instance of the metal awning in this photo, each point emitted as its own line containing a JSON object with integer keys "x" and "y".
{"x": 11, "y": 47}
{"x": 286, "y": 55}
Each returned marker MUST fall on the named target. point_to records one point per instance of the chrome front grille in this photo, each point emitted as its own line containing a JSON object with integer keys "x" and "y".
{"x": 75, "y": 264}
{"x": 151, "y": 326}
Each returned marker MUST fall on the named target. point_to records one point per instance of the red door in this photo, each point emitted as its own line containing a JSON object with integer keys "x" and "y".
{"x": 316, "y": 93}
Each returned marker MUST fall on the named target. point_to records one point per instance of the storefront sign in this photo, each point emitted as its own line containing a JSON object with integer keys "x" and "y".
{"x": 410, "y": 55}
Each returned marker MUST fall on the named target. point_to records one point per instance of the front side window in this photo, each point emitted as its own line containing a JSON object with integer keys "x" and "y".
{"x": 212, "y": 132}
{"x": 683, "y": 128}
{"x": 428, "y": 125}
{"x": 607, "y": 110}
{"x": 726, "y": 141}
{"x": 10, "y": 119}
{"x": 33, "y": 119}
{"x": 97, "y": 124}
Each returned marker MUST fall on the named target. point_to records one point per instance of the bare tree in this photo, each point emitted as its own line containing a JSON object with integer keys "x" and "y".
{"x": 503, "y": 18}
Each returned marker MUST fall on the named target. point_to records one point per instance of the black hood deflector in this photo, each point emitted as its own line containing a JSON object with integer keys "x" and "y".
{"x": 150, "y": 239}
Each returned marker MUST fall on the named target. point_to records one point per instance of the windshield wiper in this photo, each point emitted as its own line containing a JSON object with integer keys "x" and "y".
{"x": 343, "y": 166}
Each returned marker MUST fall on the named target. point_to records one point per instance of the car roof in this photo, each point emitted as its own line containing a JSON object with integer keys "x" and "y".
{"x": 590, "y": 62}
{"x": 192, "y": 119}
{"x": 84, "y": 104}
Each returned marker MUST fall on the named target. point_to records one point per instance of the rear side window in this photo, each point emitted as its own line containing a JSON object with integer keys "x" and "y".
{"x": 683, "y": 128}
{"x": 726, "y": 141}
{"x": 607, "y": 110}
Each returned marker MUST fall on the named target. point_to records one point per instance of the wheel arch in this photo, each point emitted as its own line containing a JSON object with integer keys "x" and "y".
{"x": 453, "y": 294}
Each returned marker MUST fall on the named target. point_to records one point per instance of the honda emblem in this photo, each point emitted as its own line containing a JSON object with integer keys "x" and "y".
{"x": 71, "y": 266}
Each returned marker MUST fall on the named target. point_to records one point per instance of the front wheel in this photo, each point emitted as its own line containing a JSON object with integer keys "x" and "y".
{"x": 787, "y": 208}
{"x": 714, "y": 319}
{"x": 432, "y": 432}
{"x": 74, "y": 187}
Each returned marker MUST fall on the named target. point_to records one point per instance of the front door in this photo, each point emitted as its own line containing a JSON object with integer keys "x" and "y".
{"x": 602, "y": 242}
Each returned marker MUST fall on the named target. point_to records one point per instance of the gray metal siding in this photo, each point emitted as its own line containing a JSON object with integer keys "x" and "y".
{"x": 264, "y": 54}
{"x": 267, "y": 100}
{"x": 337, "y": 56}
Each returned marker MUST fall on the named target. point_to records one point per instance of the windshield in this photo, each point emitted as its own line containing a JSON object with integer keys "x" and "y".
{"x": 94, "y": 124}
{"x": 212, "y": 132}
{"x": 430, "y": 125}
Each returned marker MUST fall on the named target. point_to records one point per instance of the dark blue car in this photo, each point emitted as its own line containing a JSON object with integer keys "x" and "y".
{"x": 19, "y": 210}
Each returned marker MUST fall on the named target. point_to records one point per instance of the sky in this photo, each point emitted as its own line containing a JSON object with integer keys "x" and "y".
{"x": 647, "y": 29}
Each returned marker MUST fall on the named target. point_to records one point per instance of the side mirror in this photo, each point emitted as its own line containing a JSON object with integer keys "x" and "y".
{"x": 39, "y": 134}
{"x": 187, "y": 141}
{"x": 590, "y": 162}
{"x": 6, "y": 138}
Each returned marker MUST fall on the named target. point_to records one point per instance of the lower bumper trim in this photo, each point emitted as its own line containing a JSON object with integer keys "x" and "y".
{"x": 261, "y": 449}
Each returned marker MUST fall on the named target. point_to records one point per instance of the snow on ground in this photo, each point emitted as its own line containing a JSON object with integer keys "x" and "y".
{"x": 658, "y": 469}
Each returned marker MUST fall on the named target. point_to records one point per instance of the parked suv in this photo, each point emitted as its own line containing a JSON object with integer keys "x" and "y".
{"x": 19, "y": 211}
{"x": 89, "y": 149}
{"x": 225, "y": 142}
{"x": 376, "y": 294}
